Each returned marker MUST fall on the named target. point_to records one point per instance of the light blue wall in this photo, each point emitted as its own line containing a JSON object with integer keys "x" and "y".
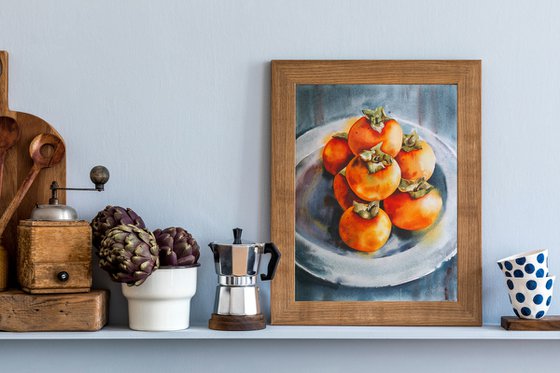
{"x": 173, "y": 97}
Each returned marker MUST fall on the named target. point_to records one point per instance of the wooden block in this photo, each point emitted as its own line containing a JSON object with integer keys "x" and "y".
{"x": 546, "y": 323}
{"x": 21, "y": 312}
{"x": 49, "y": 248}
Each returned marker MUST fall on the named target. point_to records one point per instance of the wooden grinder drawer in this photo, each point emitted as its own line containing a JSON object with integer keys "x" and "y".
{"x": 48, "y": 278}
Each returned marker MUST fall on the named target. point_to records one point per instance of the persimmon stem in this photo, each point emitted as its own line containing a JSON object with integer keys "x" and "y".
{"x": 376, "y": 159}
{"x": 415, "y": 188}
{"x": 366, "y": 210}
{"x": 411, "y": 142}
{"x": 376, "y": 118}
{"x": 340, "y": 135}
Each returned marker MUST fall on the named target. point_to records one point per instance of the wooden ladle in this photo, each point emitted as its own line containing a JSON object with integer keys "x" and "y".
{"x": 46, "y": 150}
{"x": 9, "y": 129}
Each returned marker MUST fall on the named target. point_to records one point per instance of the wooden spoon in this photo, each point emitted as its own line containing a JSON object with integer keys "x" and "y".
{"x": 46, "y": 150}
{"x": 9, "y": 129}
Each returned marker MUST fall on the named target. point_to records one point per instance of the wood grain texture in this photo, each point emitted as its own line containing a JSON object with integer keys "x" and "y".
{"x": 46, "y": 248}
{"x": 546, "y": 323}
{"x": 21, "y": 312}
{"x": 17, "y": 165}
{"x": 40, "y": 161}
{"x": 467, "y": 76}
{"x": 3, "y": 268}
{"x": 4, "y": 109}
{"x": 237, "y": 323}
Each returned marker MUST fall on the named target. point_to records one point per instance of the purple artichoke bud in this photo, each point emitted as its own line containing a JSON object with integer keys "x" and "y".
{"x": 177, "y": 247}
{"x": 129, "y": 254}
{"x": 109, "y": 218}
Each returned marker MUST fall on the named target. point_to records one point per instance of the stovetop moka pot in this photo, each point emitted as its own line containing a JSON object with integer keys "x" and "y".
{"x": 237, "y": 304}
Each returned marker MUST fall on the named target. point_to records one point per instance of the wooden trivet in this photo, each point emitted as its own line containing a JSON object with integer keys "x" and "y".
{"x": 546, "y": 323}
{"x": 237, "y": 323}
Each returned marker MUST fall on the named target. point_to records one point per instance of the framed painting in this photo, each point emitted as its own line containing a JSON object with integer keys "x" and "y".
{"x": 376, "y": 192}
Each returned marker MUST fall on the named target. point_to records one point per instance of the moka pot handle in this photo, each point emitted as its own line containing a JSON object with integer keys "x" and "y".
{"x": 270, "y": 248}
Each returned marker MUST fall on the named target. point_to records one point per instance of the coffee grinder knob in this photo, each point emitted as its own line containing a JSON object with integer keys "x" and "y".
{"x": 99, "y": 175}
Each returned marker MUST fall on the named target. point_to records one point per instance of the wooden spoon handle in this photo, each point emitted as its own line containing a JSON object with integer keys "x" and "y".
{"x": 4, "y": 111}
{"x": 2, "y": 156}
{"x": 22, "y": 191}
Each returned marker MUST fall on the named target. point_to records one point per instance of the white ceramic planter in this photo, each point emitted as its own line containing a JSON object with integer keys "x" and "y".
{"x": 163, "y": 301}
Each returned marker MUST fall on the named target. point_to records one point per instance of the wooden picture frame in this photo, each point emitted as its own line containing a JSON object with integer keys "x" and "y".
{"x": 466, "y": 76}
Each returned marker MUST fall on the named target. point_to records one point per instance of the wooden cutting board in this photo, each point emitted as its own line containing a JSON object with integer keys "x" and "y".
{"x": 17, "y": 165}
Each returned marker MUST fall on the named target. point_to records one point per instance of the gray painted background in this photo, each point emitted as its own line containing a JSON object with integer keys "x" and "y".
{"x": 173, "y": 96}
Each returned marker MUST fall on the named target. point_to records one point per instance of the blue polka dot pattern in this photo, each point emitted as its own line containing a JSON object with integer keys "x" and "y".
{"x": 531, "y": 284}
{"x": 537, "y": 299}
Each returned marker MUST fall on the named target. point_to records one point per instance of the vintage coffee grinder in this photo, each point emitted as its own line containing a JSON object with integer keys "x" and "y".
{"x": 54, "y": 246}
{"x": 237, "y": 304}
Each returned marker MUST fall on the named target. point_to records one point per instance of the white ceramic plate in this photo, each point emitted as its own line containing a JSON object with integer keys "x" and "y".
{"x": 405, "y": 257}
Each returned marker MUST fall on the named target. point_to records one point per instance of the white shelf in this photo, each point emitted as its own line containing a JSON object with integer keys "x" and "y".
{"x": 487, "y": 332}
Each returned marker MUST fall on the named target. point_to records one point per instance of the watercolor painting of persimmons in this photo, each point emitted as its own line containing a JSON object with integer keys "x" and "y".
{"x": 376, "y": 193}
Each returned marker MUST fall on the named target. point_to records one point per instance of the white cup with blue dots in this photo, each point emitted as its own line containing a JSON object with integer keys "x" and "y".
{"x": 529, "y": 284}
{"x": 529, "y": 264}
{"x": 530, "y": 298}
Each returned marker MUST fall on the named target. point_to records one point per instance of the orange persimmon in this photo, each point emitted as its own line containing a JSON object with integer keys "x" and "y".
{"x": 415, "y": 206}
{"x": 373, "y": 175}
{"x": 373, "y": 128}
{"x": 336, "y": 153}
{"x": 364, "y": 227}
{"x": 416, "y": 158}
{"x": 342, "y": 192}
